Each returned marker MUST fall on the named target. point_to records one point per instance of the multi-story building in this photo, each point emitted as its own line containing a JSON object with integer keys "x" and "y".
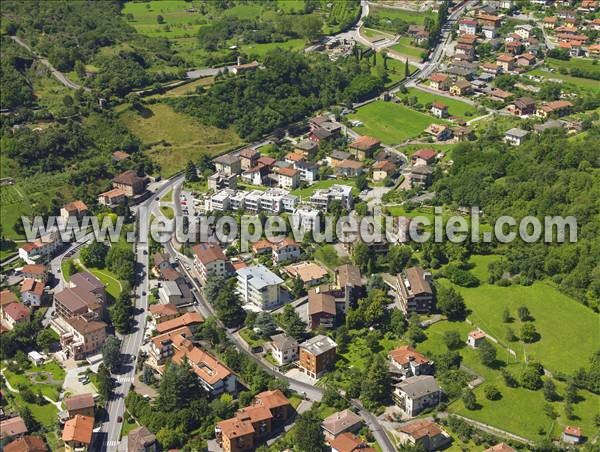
{"x": 228, "y": 164}
{"x": 248, "y": 158}
{"x": 321, "y": 309}
{"x": 41, "y": 250}
{"x": 322, "y": 198}
{"x": 409, "y": 362}
{"x": 131, "y": 184}
{"x": 218, "y": 181}
{"x": 287, "y": 250}
{"x": 415, "y": 291}
{"x": 32, "y": 292}
{"x": 77, "y": 433}
{"x": 82, "y": 404}
{"x": 284, "y": 349}
{"x": 38, "y": 272}
{"x": 165, "y": 345}
{"x": 416, "y": 394}
{"x": 309, "y": 171}
{"x": 305, "y": 219}
{"x": 259, "y": 286}
{"x": 76, "y": 209}
{"x": 287, "y": 178}
{"x": 209, "y": 261}
{"x": 317, "y": 356}
{"x": 213, "y": 375}
{"x": 84, "y": 335}
{"x": 85, "y": 293}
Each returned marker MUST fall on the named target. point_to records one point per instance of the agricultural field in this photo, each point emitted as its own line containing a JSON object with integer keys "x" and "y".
{"x": 391, "y": 123}
{"x": 582, "y": 83}
{"x": 172, "y": 138}
{"x": 404, "y": 47}
{"x": 584, "y": 64}
{"x": 456, "y": 107}
{"x": 412, "y": 17}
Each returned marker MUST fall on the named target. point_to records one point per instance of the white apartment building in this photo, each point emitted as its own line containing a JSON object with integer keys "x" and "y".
{"x": 304, "y": 218}
{"x": 323, "y": 197}
{"x": 209, "y": 260}
{"x": 259, "y": 286}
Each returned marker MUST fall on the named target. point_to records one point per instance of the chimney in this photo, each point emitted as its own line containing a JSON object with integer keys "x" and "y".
{"x": 239, "y": 61}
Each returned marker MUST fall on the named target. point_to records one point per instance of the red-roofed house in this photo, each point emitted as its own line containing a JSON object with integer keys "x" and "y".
{"x": 287, "y": 250}
{"x": 383, "y": 169}
{"x": 76, "y": 209}
{"x": 349, "y": 442}
{"x": 475, "y": 338}
{"x": 423, "y": 157}
{"x": 26, "y": 444}
{"x": 572, "y": 435}
{"x": 39, "y": 272}
{"x": 190, "y": 319}
{"x": 209, "y": 260}
{"x": 424, "y": 433}
{"x": 506, "y": 62}
{"x": 32, "y": 292}
{"x": 77, "y": 433}
{"x": 13, "y": 427}
{"x": 439, "y": 110}
{"x": 287, "y": 178}
{"x": 364, "y": 146}
{"x": 14, "y": 313}
{"x": 439, "y": 81}
{"x": 410, "y": 362}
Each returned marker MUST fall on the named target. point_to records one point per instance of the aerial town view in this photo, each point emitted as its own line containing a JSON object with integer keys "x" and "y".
{"x": 299, "y": 225}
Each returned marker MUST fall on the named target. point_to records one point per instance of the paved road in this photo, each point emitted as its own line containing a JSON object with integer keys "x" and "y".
{"x": 131, "y": 343}
{"x": 61, "y": 77}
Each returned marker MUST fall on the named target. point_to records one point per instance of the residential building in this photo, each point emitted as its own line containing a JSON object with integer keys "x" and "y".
{"x": 284, "y": 349}
{"x": 14, "y": 313}
{"x": 77, "y": 433}
{"x": 7, "y": 297}
{"x": 12, "y": 427}
{"x": 425, "y": 156}
{"x": 26, "y": 444}
{"x": 439, "y": 110}
{"x": 141, "y": 440}
{"x": 306, "y": 147}
{"x": 556, "y": 108}
{"x": 317, "y": 356}
{"x": 37, "y": 272}
{"x": 440, "y": 132}
{"x": 526, "y": 60}
{"x": 439, "y": 81}
{"x": 213, "y": 375}
{"x": 349, "y": 282}
{"x": 256, "y": 175}
{"x": 462, "y": 133}
{"x": 414, "y": 289}
{"x": 572, "y": 435}
{"x": 500, "y": 95}
{"x": 416, "y": 394}
{"x": 288, "y": 250}
{"x": 321, "y": 309}
{"x": 76, "y": 209}
{"x": 119, "y": 156}
{"x": 345, "y": 421}
{"x": 464, "y": 51}
{"x": 309, "y": 171}
{"x": 162, "y": 261}
{"x": 131, "y": 184}
{"x": 489, "y": 20}
{"x": 191, "y": 320}
{"x": 309, "y": 273}
{"x": 383, "y": 169}
{"x": 162, "y": 312}
{"x": 235, "y": 435}
{"x": 209, "y": 261}
{"x": 112, "y": 198}
{"x": 506, "y": 62}
{"x": 277, "y": 403}
{"x": 322, "y": 198}
{"x": 349, "y": 442}
{"x": 460, "y": 88}
{"x": 240, "y": 68}
{"x": 523, "y": 106}
{"x": 248, "y": 158}
{"x": 491, "y": 68}
{"x": 305, "y": 218}
{"x": 419, "y": 176}
{"x": 83, "y": 335}
{"x": 175, "y": 292}
{"x": 287, "y": 178}
{"x": 220, "y": 180}
{"x": 293, "y": 157}
{"x": 337, "y": 156}
{"x": 410, "y": 362}
{"x": 42, "y": 249}
{"x": 87, "y": 281}
{"x": 259, "y": 286}
{"x": 467, "y": 26}
{"x": 164, "y": 346}
{"x": 363, "y": 147}
{"x": 228, "y": 164}
{"x": 424, "y": 433}
{"x": 500, "y": 447}
{"x": 348, "y": 168}
{"x": 515, "y": 136}
{"x": 85, "y": 293}
{"x": 323, "y": 128}
{"x": 32, "y": 292}
{"x": 82, "y": 404}
{"x": 475, "y": 338}
{"x": 418, "y": 34}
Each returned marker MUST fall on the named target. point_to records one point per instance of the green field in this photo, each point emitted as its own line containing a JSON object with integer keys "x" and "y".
{"x": 174, "y": 138}
{"x": 328, "y": 256}
{"x": 168, "y": 212}
{"x": 109, "y": 279}
{"x": 583, "y": 83}
{"x": 261, "y": 49}
{"x": 455, "y": 106}
{"x": 404, "y": 47}
{"x": 391, "y": 123}
{"x": 585, "y": 64}
{"x": 413, "y": 17}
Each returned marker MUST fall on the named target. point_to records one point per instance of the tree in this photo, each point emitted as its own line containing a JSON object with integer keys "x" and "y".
{"x": 122, "y": 312}
{"x": 469, "y": 399}
{"x": 569, "y": 413}
{"x": 509, "y": 379}
{"x": 191, "y": 173}
{"x": 169, "y": 438}
{"x": 487, "y": 353}
{"x": 376, "y": 385}
{"x": 291, "y": 323}
{"x": 362, "y": 255}
{"x": 308, "y": 435}
{"x": 44, "y": 339}
{"x": 398, "y": 257}
{"x": 530, "y": 378}
{"x": 550, "y": 390}
{"x": 361, "y": 182}
{"x": 376, "y": 282}
{"x": 28, "y": 419}
{"x": 94, "y": 255}
{"x": 415, "y": 333}
{"x": 571, "y": 391}
{"x": 397, "y": 322}
{"x": 160, "y": 19}
{"x": 298, "y": 289}
{"x": 528, "y": 333}
{"x": 523, "y": 313}
{"x": 111, "y": 353}
{"x": 453, "y": 340}
{"x": 506, "y": 318}
{"x": 105, "y": 382}
{"x": 492, "y": 393}
{"x": 550, "y": 411}
{"x": 178, "y": 388}
{"x": 213, "y": 286}
{"x": 510, "y": 335}
{"x": 121, "y": 261}
{"x": 406, "y": 69}
{"x": 228, "y": 306}
{"x": 451, "y": 303}
{"x": 265, "y": 324}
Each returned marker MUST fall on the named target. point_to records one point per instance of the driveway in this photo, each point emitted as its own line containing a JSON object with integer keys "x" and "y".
{"x": 297, "y": 374}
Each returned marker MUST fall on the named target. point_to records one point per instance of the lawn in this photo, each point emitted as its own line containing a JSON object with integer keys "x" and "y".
{"x": 168, "y": 197}
{"x": 395, "y": 69}
{"x": 109, "y": 279}
{"x": 585, "y": 64}
{"x": 404, "y": 47}
{"x": 327, "y": 255}
{"x": 413, "y": 17}
{"x": 456, "y": 107}
{"x": 167, "y": 212}
{"x": 173, "y": 138}
{"x": 7, "y": 249}
{"x": 251, "y": 338}
{"x": 259, "y": 50}
{"x": 188, "y": 88}
{"x": 563, "y": 324}
{"x": 584, "y": 83}
{"x": 326, "y": 183}
{"x": 391, "y": 123}
{"x": 177, "y": 21}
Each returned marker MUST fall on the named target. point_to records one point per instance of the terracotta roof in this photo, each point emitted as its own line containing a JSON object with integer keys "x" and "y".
{"x": 501, "y": 93}
{"x": 364, "y": 143}
{"x": 114, "y": 193}
{"x": 425, "y": 154}
{"x": 285, "y": 242}
{"x": 306, "y": 271}
{"x": 439, "y": 105}
{"x": 462, "y": 84}
{"x": 384, "y": 165}
{"x": 254, "y": 413}
{"x": 76, "y": 206}
{"x": 38, "y": 269}
{"x": 139, "y": 438}
{"x": 76, "y": 299}
{"x": 573, "y": 431}
{"x": 341, "y": 421}
{"x": 26, "y": 444}
{"x": 170, "y": 274}
{"x": 79, "y": 429}
{"x": 162, "y": 309}
{"x": 248, "y": 153}
{"x": 29, "y": 246}
{"x": 263, "y": 244}
{"x": 353, "y": 164}
{"x": 505, "y": 58}
{"x": 272, "y": 399}
{"x": 349, "y": 442}
{"x": 468, "y": 22}
{"x": 477, "y": 334}
{"x": 7, "y": 297}
{"x": 556, "y": 105}
{"x": 129, "y": 177}
{"x": 120, "y": 155}
{"x": 187, "y": 319}
{"x": 208, "y": 252}
{"x": 501, "y": 447}
{"x": 421, "y": 429}
{"x": 31, "y": 285}
{"x": 204, "y": 365}
{"x": 84, "y": 326}
{"x": 288, "y": 172}
{"x": 320, "y": 303}
{"x": 348, "y": 274}
{"x": 176, "y": 337}
{"x": 266, "y": 160}
{"x": 294, "y": 156}
{"x": 234, "y": 428}
{"x": 405, "y": 354}
{"x": 550, "y": 20}
{"x": 16, "y": 311}
{"x": 417, "y": 281}
{"x": 437, "y": 77}
{"x": 527, "y": 56}
{"x": 238, "y": 265}
{"x": 79, "y": 401}
{"x": 12, "y": 427}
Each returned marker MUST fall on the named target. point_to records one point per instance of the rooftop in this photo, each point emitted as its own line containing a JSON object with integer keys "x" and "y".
{"x": 341, "y": 421}
{"x": 26, "y": 444}
{"x": 306, "y": 271}
{"x": 421, "y": 429}
{"x": 419, "y": 386}
{"x": 320, "y": 303}
{"x": 79, "y": 429}
{"x": 405, "y": 354}
{"x": 187, "y": 319}
{"x": 318, "y": 345}
{"x": 79, "y": 402}
{"x": 364, "y": 143}
{"x": 260, "y": 276}
{"x": 208, "y": 252}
